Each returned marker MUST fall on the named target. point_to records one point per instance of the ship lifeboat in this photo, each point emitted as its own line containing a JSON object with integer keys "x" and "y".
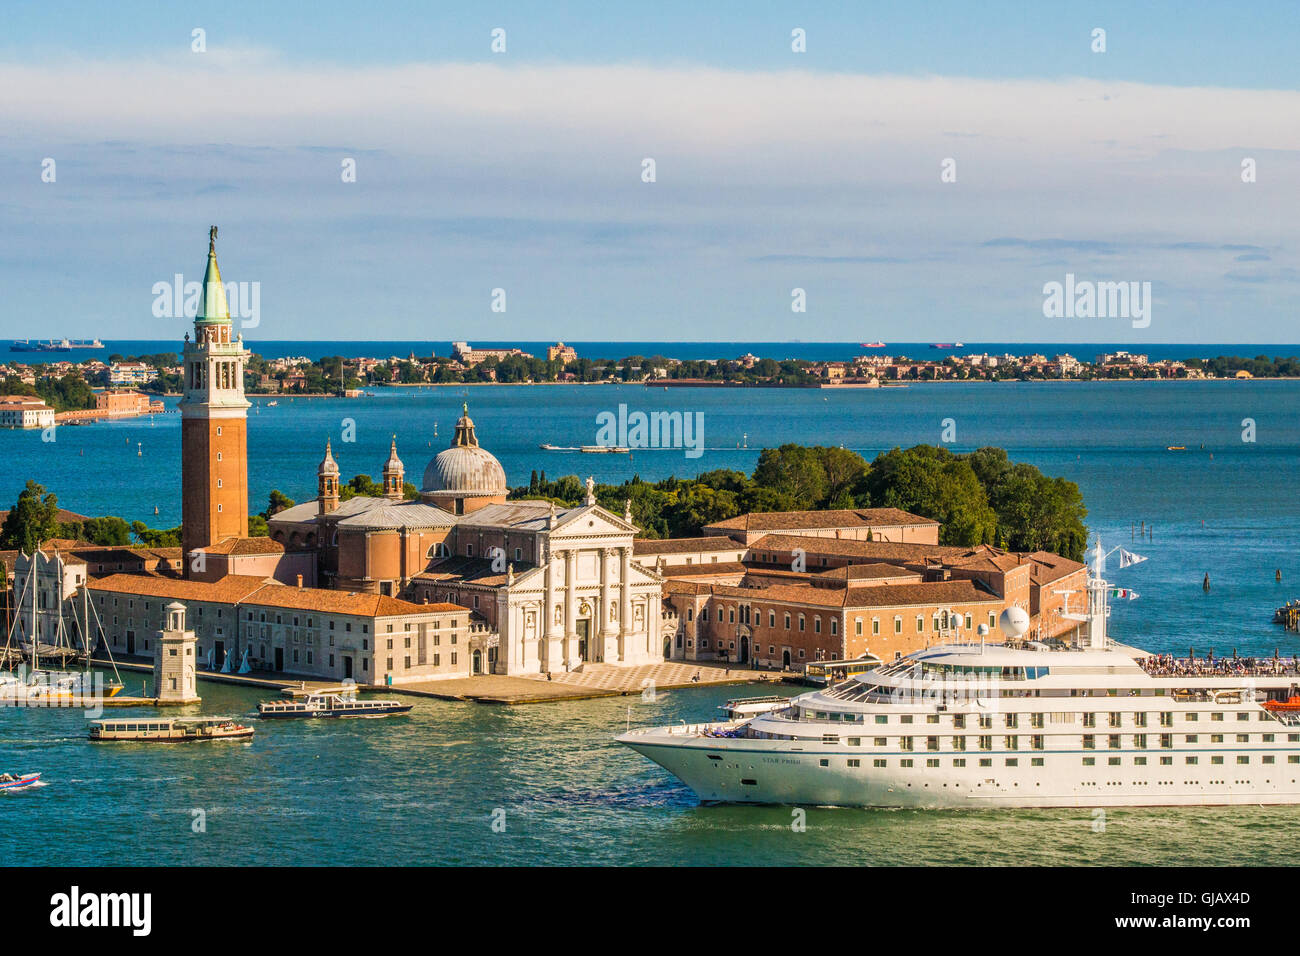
{"x": 1290, "y": 705}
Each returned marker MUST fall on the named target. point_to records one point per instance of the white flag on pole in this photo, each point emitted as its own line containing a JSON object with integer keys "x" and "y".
{"x": 1127, "y": 558}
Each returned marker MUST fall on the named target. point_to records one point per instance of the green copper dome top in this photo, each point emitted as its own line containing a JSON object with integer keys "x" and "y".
{"x": 212, "y": 306}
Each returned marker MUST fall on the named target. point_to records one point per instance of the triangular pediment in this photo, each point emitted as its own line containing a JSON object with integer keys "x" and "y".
{"x": 590, "y": 520}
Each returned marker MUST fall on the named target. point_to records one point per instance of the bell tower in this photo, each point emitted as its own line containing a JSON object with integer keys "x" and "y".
{"x": 214, "y": 420}
{"x": 393, "y": 473}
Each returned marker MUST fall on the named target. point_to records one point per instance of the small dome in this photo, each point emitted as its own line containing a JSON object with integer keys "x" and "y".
{"x": 465, "y": 468}
{"x": 394, "y": 464}
{"x": 328, "y": 465}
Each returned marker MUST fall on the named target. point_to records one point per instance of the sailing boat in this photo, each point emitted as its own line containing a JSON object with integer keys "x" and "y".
{"x": 35, "y": 683}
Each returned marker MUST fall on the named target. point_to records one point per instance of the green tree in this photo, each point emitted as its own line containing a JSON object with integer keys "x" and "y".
{"x": 34, "y": 518}
{"x": 277, "y": 501}
{"x": 795, "y": 471}
{"x": 934, "y": 483}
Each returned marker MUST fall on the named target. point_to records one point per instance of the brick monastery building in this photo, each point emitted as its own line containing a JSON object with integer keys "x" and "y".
{"x": 462, "y": 580}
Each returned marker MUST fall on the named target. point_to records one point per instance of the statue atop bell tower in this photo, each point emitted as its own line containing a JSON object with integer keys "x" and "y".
{"x": 214, "y": 438}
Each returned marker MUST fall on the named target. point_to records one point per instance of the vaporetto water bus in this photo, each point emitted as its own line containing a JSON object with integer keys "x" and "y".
{"x": 1081, "y": 722}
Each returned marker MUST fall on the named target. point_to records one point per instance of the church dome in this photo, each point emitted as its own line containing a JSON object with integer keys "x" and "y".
{"x": 464, "y": 469}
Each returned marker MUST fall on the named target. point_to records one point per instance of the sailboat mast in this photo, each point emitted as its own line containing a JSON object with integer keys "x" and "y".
{"x": 36, "y": 638}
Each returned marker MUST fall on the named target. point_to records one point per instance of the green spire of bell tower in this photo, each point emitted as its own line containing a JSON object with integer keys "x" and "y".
{"x": 213, "y": 307}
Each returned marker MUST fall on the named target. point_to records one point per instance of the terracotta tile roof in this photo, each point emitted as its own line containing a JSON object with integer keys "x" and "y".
{"x": 62, "y": 515}
{"x": 926, "y": 594}
{"x": 358, "y": 603}
{"x": 231, "y": 589}
{"x": 249, "y": 589}
{"x": 843, "y": 518}
{"x": 867, "y": 572}
{"x": 724, "y": 568}
{"x": 462, "y": 570}
{"x": 713, "y": 542}
{"x": 245, "y": 546}
{"x": 845, "y": 547}
{"x": 1047, "y": 567}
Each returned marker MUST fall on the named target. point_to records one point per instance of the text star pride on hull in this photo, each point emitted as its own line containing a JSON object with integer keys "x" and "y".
{"x": 1082, "y": 722}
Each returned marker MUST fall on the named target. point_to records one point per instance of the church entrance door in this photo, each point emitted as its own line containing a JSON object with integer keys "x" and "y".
{"x": 584, "y": 632}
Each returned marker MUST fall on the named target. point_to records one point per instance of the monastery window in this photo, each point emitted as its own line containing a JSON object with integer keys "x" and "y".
{"x": 787, "y": 621}
{"x": 817, "y": 624}
{"x": 920, "y": 623}
{"x": 835, "y": 626}
{"x": 519, "y": 554}
{"x": 469, "y": 550}
{"x": 389, "y": 646}
{"x": 898, "y": 624}
{"x": 801, "y": 622}
{"x": 453, "y": 658}
{"x": 719, "y": 615}
{"x": 731, "y": 615}
{"x": 968, "y": 622}
{"x": 388, "y": 661}
{"x": 690, "y": 614}
{"x": 801, "y": 655}
{"x": 875, "y": 625}
{"x": 771, "y": 619}
{"x": 993, "y": 620}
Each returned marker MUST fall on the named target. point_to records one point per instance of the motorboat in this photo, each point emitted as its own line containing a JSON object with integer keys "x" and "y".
{"x": 18, "y": 781}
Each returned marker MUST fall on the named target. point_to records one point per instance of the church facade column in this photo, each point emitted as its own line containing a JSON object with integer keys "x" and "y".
{"x": 570, "y": 607}
{"x": 549, "y": 649}
{"x": 625, "y": 596}
{"x": 607, "y": 628}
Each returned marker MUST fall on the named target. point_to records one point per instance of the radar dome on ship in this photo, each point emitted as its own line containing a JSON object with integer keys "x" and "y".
{"x": 1014, "y": 621}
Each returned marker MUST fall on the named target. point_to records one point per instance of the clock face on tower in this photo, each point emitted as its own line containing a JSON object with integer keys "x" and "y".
{"x": 214, "y": 446}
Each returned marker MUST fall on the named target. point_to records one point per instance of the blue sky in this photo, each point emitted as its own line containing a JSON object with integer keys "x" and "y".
{"x": 775, "y": 170}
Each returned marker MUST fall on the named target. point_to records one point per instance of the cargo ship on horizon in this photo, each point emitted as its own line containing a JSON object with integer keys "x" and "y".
{"x": 54, "y": 345}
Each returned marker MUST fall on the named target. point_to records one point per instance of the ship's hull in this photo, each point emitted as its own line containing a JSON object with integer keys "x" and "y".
{"x": 385, "y": 711}
{"x": 24, "y": 781}
{"x": 738, "y": 770}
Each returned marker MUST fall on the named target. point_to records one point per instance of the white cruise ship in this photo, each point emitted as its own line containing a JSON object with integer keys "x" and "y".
{"x": 1086, "y": 723}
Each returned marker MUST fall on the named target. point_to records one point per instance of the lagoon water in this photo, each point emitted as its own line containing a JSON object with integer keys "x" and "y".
{"x": 423, "y": 788}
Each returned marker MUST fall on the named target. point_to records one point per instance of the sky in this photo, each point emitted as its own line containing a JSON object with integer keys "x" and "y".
{"x": 919, "y": 171}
